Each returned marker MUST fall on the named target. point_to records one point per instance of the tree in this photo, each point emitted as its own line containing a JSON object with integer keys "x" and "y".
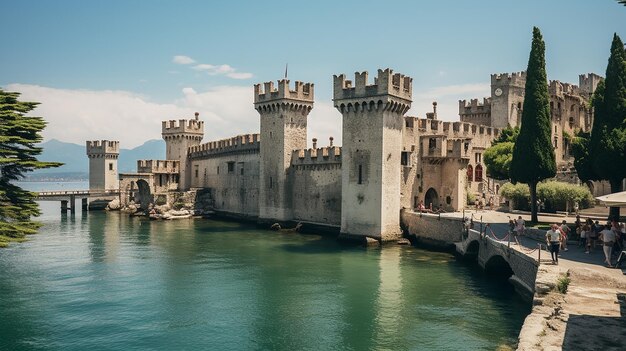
{"x": 533, "y": 153}
{"x": 499, "y": 155}
{"x": 608, "y": 134}
{"x": 18, "y": 135}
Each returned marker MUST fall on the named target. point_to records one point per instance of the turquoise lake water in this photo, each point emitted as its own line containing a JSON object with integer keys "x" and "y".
{"x": 104, "y": 281}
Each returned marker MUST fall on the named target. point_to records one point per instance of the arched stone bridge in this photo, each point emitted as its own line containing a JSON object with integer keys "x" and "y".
{"x": 497, "y": 257}
{"x": 447, "y": 230}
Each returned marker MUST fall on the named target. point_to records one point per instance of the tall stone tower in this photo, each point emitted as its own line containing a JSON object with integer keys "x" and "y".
{"x": 103, "y": 156}
{"x": 284, "y": 115}
{"x": 588, "y": 83}
{"x": 372, "y": 144}
{"x": 507, "y": 99}
{"x": 179, "y": 136}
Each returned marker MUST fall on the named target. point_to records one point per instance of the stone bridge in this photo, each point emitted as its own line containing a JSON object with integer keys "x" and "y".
{"x": 497, "y": 257}
{"x": 517, "y": 264}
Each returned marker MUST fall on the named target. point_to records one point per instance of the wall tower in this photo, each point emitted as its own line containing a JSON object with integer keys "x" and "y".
{"x": 283, "y": 114}
{"x": 179, "y": 136}
{"x": 103, "y": 156}
{"x": 372, "y": 144}
{"x": 507, "y": 99}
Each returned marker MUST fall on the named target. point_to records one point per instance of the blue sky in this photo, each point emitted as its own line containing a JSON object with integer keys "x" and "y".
{"x": 97, "y": 64}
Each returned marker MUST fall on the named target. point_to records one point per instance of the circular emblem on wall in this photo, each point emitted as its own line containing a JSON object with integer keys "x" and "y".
{"x": 498, "y": 92}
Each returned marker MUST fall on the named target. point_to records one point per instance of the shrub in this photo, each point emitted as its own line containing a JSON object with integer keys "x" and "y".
{"x": 471, "y": 198}
{"x": 519, "y": 193}
{"x": 553, "y": 194}
{"x": 563, "y": 283}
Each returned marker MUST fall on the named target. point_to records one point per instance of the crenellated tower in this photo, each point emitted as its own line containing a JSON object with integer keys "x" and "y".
{"x": 103, "y": 156}
{"x": 372, "y": 145}
{"x": 283, "y": 114}
{"x": 179, "y": 136}
{"x": 507, "y": 99}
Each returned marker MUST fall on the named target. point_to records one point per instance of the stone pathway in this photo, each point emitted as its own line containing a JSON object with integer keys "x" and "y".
{"x": 590, "y": 316}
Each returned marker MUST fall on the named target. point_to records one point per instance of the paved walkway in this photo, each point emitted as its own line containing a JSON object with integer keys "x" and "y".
{"x": 575, "y": 257}
{"x": 591, "y": 316}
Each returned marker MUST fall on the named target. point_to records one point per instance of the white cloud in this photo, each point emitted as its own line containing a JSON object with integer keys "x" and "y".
{"x": 226, "y": 70}
{"x": 79, "y": 115}
{"x": 183, "y": 60}
{"x": 239, "y": 75}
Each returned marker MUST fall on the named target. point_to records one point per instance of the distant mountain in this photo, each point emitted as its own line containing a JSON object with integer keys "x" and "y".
{"x": 76, "y": 163}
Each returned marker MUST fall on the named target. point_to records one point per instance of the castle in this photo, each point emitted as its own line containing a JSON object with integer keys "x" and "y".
{"x": 569, "y": 107}
{"x": 388, "y": 161}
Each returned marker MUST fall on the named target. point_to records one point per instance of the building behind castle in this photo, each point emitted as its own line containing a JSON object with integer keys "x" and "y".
{"x": 388, "y": 161}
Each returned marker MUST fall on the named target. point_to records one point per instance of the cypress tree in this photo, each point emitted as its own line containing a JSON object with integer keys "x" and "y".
{"x": 608, "y": 134}
{"x": 533, "y": 154}
{"x": 18, "y": 135}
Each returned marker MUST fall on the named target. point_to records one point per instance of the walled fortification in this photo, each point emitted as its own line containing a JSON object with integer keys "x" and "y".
{"x": 372, "y": 146}
{"x": 103, "y": 156}
{"x": 283, "y": 113}
{"x": 237, "y": 144}
{"x": 158, "y": 166}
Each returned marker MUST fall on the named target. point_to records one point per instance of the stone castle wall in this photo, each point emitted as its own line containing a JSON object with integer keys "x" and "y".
{"x": 316, "y": 179}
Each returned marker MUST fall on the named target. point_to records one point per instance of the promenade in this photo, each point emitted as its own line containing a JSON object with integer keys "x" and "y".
{"x": 591, "y": 315}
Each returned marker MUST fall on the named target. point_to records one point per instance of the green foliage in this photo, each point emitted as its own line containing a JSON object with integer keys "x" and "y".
{"x": 533, "y": 154}
{"x": 507, "y": 135}
{"x": 498, "y": 158}
{"x": 563, "y": 283}
{"x": 471, "y": 198}
{"x": 519, "y": 193}
{"x": 554, "y": 195}
{"x": 18, "y": 154}
{"x": 607, "y": 143}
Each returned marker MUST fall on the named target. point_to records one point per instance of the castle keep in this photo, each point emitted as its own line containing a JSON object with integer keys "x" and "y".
{"x": 388, "y": 161}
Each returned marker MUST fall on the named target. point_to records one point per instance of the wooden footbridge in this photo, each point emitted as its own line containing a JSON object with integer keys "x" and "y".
{"x": 68, "y": 197}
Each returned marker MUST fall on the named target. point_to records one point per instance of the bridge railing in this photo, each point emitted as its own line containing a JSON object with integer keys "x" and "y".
{"x": 77, "y": 192}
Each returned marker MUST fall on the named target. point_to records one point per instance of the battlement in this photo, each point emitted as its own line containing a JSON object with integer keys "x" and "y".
{"x": 588, "y": 82}
{"x": 474, "y": 106}
{"x": 386, "y": 83}
{"x": 316, "y": 156}
{"x": 454, "y": 130}
{"x": 158, "y": 166}
{"x": 102, "y": 147}
{"x": 267, "y": 92}
{"x": 239, "y": 143}
{"x": 558, "y": 88}
{"x": 182, "y": 126}
{"x": 515, "y": 78}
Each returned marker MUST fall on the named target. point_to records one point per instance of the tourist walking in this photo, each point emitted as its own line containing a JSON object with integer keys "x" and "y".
{"x": 553, "y": 239}
{"x": 564, "y": 234}
{"x": 584, "y": 232}
{"x": 520, "y": 225}
{"x": 608, "y": 239}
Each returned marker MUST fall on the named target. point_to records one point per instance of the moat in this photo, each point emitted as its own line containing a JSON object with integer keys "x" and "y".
{"x": 107, "y": 281}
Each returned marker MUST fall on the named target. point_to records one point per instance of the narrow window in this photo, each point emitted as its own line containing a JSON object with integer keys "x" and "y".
{"x": 231, "y": 167}
{"x": 404, "y": 159}
{"x": 360, "y": 174}
{"x": 160, "y": 179}
{"x": 110, "y": 166}
{"x": 432, "y": 143}
{"x": 218, "y": 169}
{"x": 271, "y": 182}
{"x": 241, "y": 170}
{"x": 196, "y": 173}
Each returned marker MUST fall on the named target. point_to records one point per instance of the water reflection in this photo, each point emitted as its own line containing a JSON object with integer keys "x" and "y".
{"x": 106, "y": 280}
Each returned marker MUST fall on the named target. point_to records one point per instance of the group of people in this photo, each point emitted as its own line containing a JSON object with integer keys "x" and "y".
{"x": 611, "y": 235}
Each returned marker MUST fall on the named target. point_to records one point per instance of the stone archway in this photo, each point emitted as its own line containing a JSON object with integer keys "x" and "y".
{"x": 498, "y": 267}
{"x": 144, "y": 196}
{"x": 431, "y": 197}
